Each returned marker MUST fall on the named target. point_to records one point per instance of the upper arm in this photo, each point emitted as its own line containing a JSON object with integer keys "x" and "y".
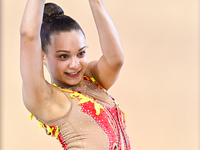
{"x": 106, "y": 69}
{"x": 104, "y": 74}
{"x": 35, "y": 89}
{"x": 38, "y": 95}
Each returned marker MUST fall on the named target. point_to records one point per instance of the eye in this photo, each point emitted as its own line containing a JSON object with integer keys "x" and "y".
{"x": 82, "y": 53}
{"x": 64, "y": 56}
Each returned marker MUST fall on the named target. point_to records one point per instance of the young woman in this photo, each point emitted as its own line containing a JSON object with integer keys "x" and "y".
{"x": 75, "y": 107}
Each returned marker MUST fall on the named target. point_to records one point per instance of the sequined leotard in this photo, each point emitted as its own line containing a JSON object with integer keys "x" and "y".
{"x": 95, "y": 121}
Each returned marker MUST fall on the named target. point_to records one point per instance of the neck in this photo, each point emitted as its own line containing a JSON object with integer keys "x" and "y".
{"x": 68, "y": 86}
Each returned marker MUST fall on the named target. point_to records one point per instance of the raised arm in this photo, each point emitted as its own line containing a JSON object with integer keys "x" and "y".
{"x": 107, "y": 68}
{"x": 37, "y": 93}
{"x": 31, "y": 65}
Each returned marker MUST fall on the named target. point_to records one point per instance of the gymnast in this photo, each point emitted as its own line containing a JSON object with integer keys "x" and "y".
{"x": 75, "y": 107}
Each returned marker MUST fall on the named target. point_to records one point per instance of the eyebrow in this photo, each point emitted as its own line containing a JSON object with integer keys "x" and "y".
{"x": 66, "y": 51}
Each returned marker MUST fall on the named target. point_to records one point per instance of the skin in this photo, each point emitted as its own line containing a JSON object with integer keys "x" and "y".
{"x": 66, "y": 56}
{"x": 40, "y": 97}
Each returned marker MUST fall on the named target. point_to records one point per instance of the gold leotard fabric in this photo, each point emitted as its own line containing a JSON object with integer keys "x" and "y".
{"x": 94, "y": 122}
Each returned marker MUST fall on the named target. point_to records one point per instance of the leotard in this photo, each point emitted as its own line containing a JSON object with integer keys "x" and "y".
{"x": 94, "y": 122}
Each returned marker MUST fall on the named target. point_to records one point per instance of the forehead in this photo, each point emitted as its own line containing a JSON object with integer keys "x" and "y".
{"x": 68, "y": 40}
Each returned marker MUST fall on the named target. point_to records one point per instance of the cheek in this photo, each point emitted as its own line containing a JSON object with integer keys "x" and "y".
{"x": 53, "y": 65}
{"x": 84, "y": 61}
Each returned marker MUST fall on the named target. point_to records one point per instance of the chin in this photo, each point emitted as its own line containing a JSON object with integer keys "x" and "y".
{"x": 74, "y": 81}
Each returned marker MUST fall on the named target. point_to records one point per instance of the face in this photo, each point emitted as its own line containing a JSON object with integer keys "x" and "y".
{"x": 66, "y": 58}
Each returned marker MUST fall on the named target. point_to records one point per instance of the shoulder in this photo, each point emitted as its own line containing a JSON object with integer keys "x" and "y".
{"x": 92, "y": 71}
{"x": 53, "y": 107}
{"x": 91, "y": 67}
{"x": 102, "y": 73}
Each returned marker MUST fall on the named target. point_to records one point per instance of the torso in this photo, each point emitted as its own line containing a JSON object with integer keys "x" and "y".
{"x": 94, "y": 121}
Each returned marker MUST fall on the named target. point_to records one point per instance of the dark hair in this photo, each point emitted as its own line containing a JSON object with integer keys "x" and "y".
{"x": 54, "y": 22}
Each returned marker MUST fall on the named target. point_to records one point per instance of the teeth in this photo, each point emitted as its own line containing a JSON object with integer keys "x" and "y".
{"x": 72, "y": 73}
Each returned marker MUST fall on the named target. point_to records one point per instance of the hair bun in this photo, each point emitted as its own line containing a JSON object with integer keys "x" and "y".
{"x": 52, "y": 10}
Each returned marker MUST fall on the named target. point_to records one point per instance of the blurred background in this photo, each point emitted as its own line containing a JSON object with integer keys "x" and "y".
{"x": 158, "y": 87}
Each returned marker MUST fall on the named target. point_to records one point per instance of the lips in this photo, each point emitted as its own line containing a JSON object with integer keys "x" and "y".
{"x": 73, "y": 75}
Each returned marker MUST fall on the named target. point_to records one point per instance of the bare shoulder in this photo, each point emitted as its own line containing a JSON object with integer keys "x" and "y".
{"x": 90, "y": 68}
{"x": 103, "y": 74}
{"x": 47, "y": 107}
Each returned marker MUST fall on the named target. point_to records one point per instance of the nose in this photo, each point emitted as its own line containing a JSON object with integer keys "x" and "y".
{"x": 74, "y": 62}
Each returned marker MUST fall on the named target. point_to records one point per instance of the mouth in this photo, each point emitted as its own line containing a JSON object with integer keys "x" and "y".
{"x": 73, "y": 74}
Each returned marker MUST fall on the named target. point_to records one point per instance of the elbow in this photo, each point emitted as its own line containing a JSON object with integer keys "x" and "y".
{"x": 120, "y": 61}
{"x": 117, "y": 61}
{"x": 28, "y": 33}
{"x": 27, "y": 36}
{"x": 120, "y": 58}
{"x": 23, "y": 31}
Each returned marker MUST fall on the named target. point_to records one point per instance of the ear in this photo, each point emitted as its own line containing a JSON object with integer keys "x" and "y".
{"x": 44, "y": 58}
